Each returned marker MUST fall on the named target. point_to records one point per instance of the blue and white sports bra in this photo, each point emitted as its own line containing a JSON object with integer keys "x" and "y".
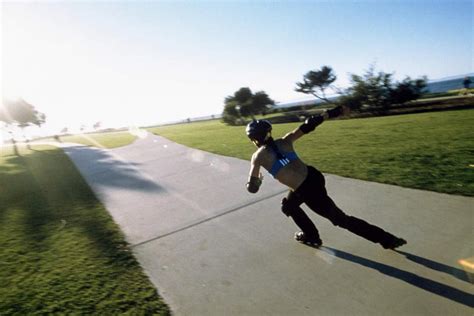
{"x": 280, "y": 163}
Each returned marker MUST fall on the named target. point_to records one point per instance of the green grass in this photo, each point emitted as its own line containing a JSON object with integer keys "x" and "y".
{"x": 431, "y": 151}
{"x": 101, "y": 140}
{"x": 450, "y": 93}
{"x": 60, "y": 250}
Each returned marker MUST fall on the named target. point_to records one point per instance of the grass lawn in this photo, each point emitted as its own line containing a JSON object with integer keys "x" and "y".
{"x": 430, "y": 151}
{"x": 60, "y": 250}
{"x": 450, "y": 93}
{"x": 101, "y": 140}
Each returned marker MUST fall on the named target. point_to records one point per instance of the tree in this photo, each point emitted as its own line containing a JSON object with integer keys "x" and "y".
{"x": 7, "y": 119}
{"x": 20, "y": 113}
{"x": 351, "y": 101}
{"x": 261, "y": 102}
{"x": 244, "y": 103}
{"x": 25, "y": 114}
{"x": 372, "y": 89}
{"x": 377, "y": 91}
{"x": 5, "y": 116}
{"x": 243, "y": 95}
{"x": 230, "y": 115}
{"x": 408, "y": 90}
{"x": 97, "y": 125}
{"x": 316, "y": 82}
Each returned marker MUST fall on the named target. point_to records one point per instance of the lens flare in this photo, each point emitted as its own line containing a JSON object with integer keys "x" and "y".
{"x": 327, "y": 255}
{"x": 220, "y": 165}
{"x": 195, "y": 155}
{"x": 93, "y": 141}
{"x": 135, "y": 131}
{"x": 467, "y": 264}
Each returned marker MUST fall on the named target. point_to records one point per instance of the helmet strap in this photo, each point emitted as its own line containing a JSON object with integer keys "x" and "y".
{"x": 268, "y": 137}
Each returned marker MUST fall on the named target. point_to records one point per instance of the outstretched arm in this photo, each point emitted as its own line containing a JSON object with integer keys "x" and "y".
{"x": 312, "y": 122}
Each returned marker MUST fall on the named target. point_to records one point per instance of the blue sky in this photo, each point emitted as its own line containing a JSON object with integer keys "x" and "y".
{"x": 139, "y": 63}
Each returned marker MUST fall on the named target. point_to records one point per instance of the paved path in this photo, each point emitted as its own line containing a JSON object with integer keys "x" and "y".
{"x": 211, "y": 248}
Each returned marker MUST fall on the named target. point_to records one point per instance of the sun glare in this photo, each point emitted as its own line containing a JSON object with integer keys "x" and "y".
{"x": 140, "y": 133}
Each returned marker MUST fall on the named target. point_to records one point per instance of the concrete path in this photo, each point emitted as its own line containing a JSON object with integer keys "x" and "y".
{"x": 211, "y": 248}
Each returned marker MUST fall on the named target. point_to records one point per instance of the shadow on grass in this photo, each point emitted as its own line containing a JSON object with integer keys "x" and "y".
{"x": 434, "y": 287}
{"x": 13, "y": 172}
{"x": 43, "y": 188}
{"x": 22, "y": 198}
{"x": 60, "y": 250}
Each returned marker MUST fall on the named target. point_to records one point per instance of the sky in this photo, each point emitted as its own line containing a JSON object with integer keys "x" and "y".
{"x": 140, "y": 63}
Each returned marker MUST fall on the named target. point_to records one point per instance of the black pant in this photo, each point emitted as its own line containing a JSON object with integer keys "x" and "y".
{"x": 313, "y": 192}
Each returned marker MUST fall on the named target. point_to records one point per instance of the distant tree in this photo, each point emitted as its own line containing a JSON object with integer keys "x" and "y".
{"x": 20, "y": 113}
{"x": 5, "y": 116}
{"x": 351, "y": 101}
{"x": 25, "y": 114}
{"x": 408, "y": 90}
{"x": 261, "y": 102}
{"x": 7, "y": 120}
{"x": 372, "y": 89}
{"x": 244, "y": 103}
{"x": 243, "y": 100}
{"x": 64, "y": 130}
{"x": 243, "y": 95}
{"x": 316, "y": 82}
{"x": 377, "y": 90}
{"x": 231, "y": 114}
{"x": 97, "y": 125}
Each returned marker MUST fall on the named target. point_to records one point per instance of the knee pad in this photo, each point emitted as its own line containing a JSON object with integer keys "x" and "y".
{"x": 286, "y": 207}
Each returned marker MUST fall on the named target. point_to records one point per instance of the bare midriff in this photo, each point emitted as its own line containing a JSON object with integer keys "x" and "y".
{"x": 291, "y": 175}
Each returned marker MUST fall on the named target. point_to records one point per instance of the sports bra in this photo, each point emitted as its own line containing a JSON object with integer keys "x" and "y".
{"x": 280, "y": 163}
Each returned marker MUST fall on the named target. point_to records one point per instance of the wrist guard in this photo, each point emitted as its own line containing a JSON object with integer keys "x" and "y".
{"x": 311, "y": 122}
{"x": 337, "y": 111}
{"x": 254, "y": 184}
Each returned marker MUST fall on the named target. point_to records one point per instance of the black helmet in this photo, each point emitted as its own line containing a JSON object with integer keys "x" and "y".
{"x": 258, "y": 130}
